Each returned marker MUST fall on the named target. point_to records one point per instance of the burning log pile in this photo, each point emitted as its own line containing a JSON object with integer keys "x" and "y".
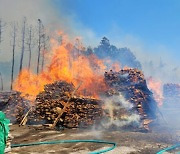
{"x": 83, "y": 111}
{"x": 80, "y": 111}
{"x": 15, "y": 106}
{"x": 4, "y": 97}
{"x": 132, "y": 85}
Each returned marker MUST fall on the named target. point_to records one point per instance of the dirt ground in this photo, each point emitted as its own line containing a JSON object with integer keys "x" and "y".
{"x": 127, "y": 142}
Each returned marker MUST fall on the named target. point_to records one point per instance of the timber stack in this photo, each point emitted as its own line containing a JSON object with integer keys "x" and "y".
{"x": 85, "y": 111}
{"x": 81, "y": 111}
{"x": 15, "y": 106}
{"x": 132, "y": 85}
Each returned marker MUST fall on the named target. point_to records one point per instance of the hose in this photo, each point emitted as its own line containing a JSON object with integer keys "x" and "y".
{"x": 70, "y": 141}
{"x": 169, "y": 148}
{"x": 89, "y": 141}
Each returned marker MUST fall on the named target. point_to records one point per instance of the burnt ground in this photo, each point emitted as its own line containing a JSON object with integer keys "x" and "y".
{"x": 127, "y": 142}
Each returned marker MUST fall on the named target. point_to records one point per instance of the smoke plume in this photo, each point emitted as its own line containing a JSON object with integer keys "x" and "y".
{"x": 119, "y": 103}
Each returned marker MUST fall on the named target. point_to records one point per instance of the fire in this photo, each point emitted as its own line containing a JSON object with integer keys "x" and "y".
{"x": 156, "y": 87}
{"x": 116, "y": 67}
{"x": 65, "y": 64}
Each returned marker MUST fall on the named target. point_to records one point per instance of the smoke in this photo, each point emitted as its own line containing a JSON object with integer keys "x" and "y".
{"x": 157, "y": 61}
{"x": 13, "y": 12}
{"x": 54, "y": 20}
{"x": 160, "y": 64}
{"x": 120, "y": 112}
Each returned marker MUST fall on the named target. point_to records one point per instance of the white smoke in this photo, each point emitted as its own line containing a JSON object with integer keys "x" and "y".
{"x": 52, "y": 17}
{"x": 13, "y": 12}
{"x": 118, "y": 102}
{"x": 157, "y": 61}
{"x": 54, "y": 20}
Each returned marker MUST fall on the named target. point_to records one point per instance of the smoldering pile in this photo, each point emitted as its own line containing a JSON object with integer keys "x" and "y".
{"x": 14, "y": 105}
{"x": 83, "y": 111}
{"x": 132, "y": 85}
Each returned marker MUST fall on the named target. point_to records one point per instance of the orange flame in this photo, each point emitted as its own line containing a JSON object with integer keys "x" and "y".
{"x": 156, "y": 87}
{"x": 65, "y": 64}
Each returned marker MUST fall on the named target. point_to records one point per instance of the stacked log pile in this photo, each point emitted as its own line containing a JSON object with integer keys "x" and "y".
{"x": 4, "y": 97}
{"x": 80, "y": 111}
{"x": 16, "y": 106}
{"x": 132, "y": 85}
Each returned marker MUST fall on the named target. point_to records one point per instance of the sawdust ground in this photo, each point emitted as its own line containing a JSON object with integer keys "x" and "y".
{"x": 127, "y": 142}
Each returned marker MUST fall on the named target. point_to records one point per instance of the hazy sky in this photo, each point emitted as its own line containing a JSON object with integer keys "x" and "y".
{"x": 156, "y": 23}
{"x": 150, "y": 28}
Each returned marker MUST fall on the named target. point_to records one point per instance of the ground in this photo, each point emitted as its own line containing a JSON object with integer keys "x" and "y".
{"x": 127, "y": 142}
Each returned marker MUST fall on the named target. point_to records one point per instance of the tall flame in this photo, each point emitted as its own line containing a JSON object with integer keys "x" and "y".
{"x": 156, "y": 87}
{"x": 68, "y": 65}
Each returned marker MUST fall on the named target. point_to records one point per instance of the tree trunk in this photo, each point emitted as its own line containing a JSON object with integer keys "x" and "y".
{"x": 39, "y": 46}
{"x": 29, "y": 45}
{"x": 2, "y": 87}
{"x": 22, "y": 49}
{"x": 12, "y": 70}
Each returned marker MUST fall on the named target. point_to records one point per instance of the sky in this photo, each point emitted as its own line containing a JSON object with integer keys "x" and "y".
{"x": 155, "y": 23}
{"x": 149, "y": 28}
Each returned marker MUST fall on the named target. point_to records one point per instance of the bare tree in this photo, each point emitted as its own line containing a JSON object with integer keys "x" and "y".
{"x": 43, "y": 52}
{"x": 40, "y": 34}
{"x": 0, "y": 31}
{"x": 13, "y": 50}
{"x": 2, "y": 25}
{"x": 45, "y": 42}
{"x": 23, "y": 44}
{"x": 30, "y": 44}
{"x": 2, "y": 88}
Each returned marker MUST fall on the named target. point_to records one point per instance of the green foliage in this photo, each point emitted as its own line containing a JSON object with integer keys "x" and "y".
{"x": 4, "y": 131}
{"x": 122, "y": 55}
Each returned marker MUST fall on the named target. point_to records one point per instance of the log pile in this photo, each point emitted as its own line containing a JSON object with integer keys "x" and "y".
{"x": 83, "y": 111}
{"x": 80, "y": 111}
{"x": 16, "y": 106}
{"x": 132, "y": 85}
{"x": 4, "y": 97}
